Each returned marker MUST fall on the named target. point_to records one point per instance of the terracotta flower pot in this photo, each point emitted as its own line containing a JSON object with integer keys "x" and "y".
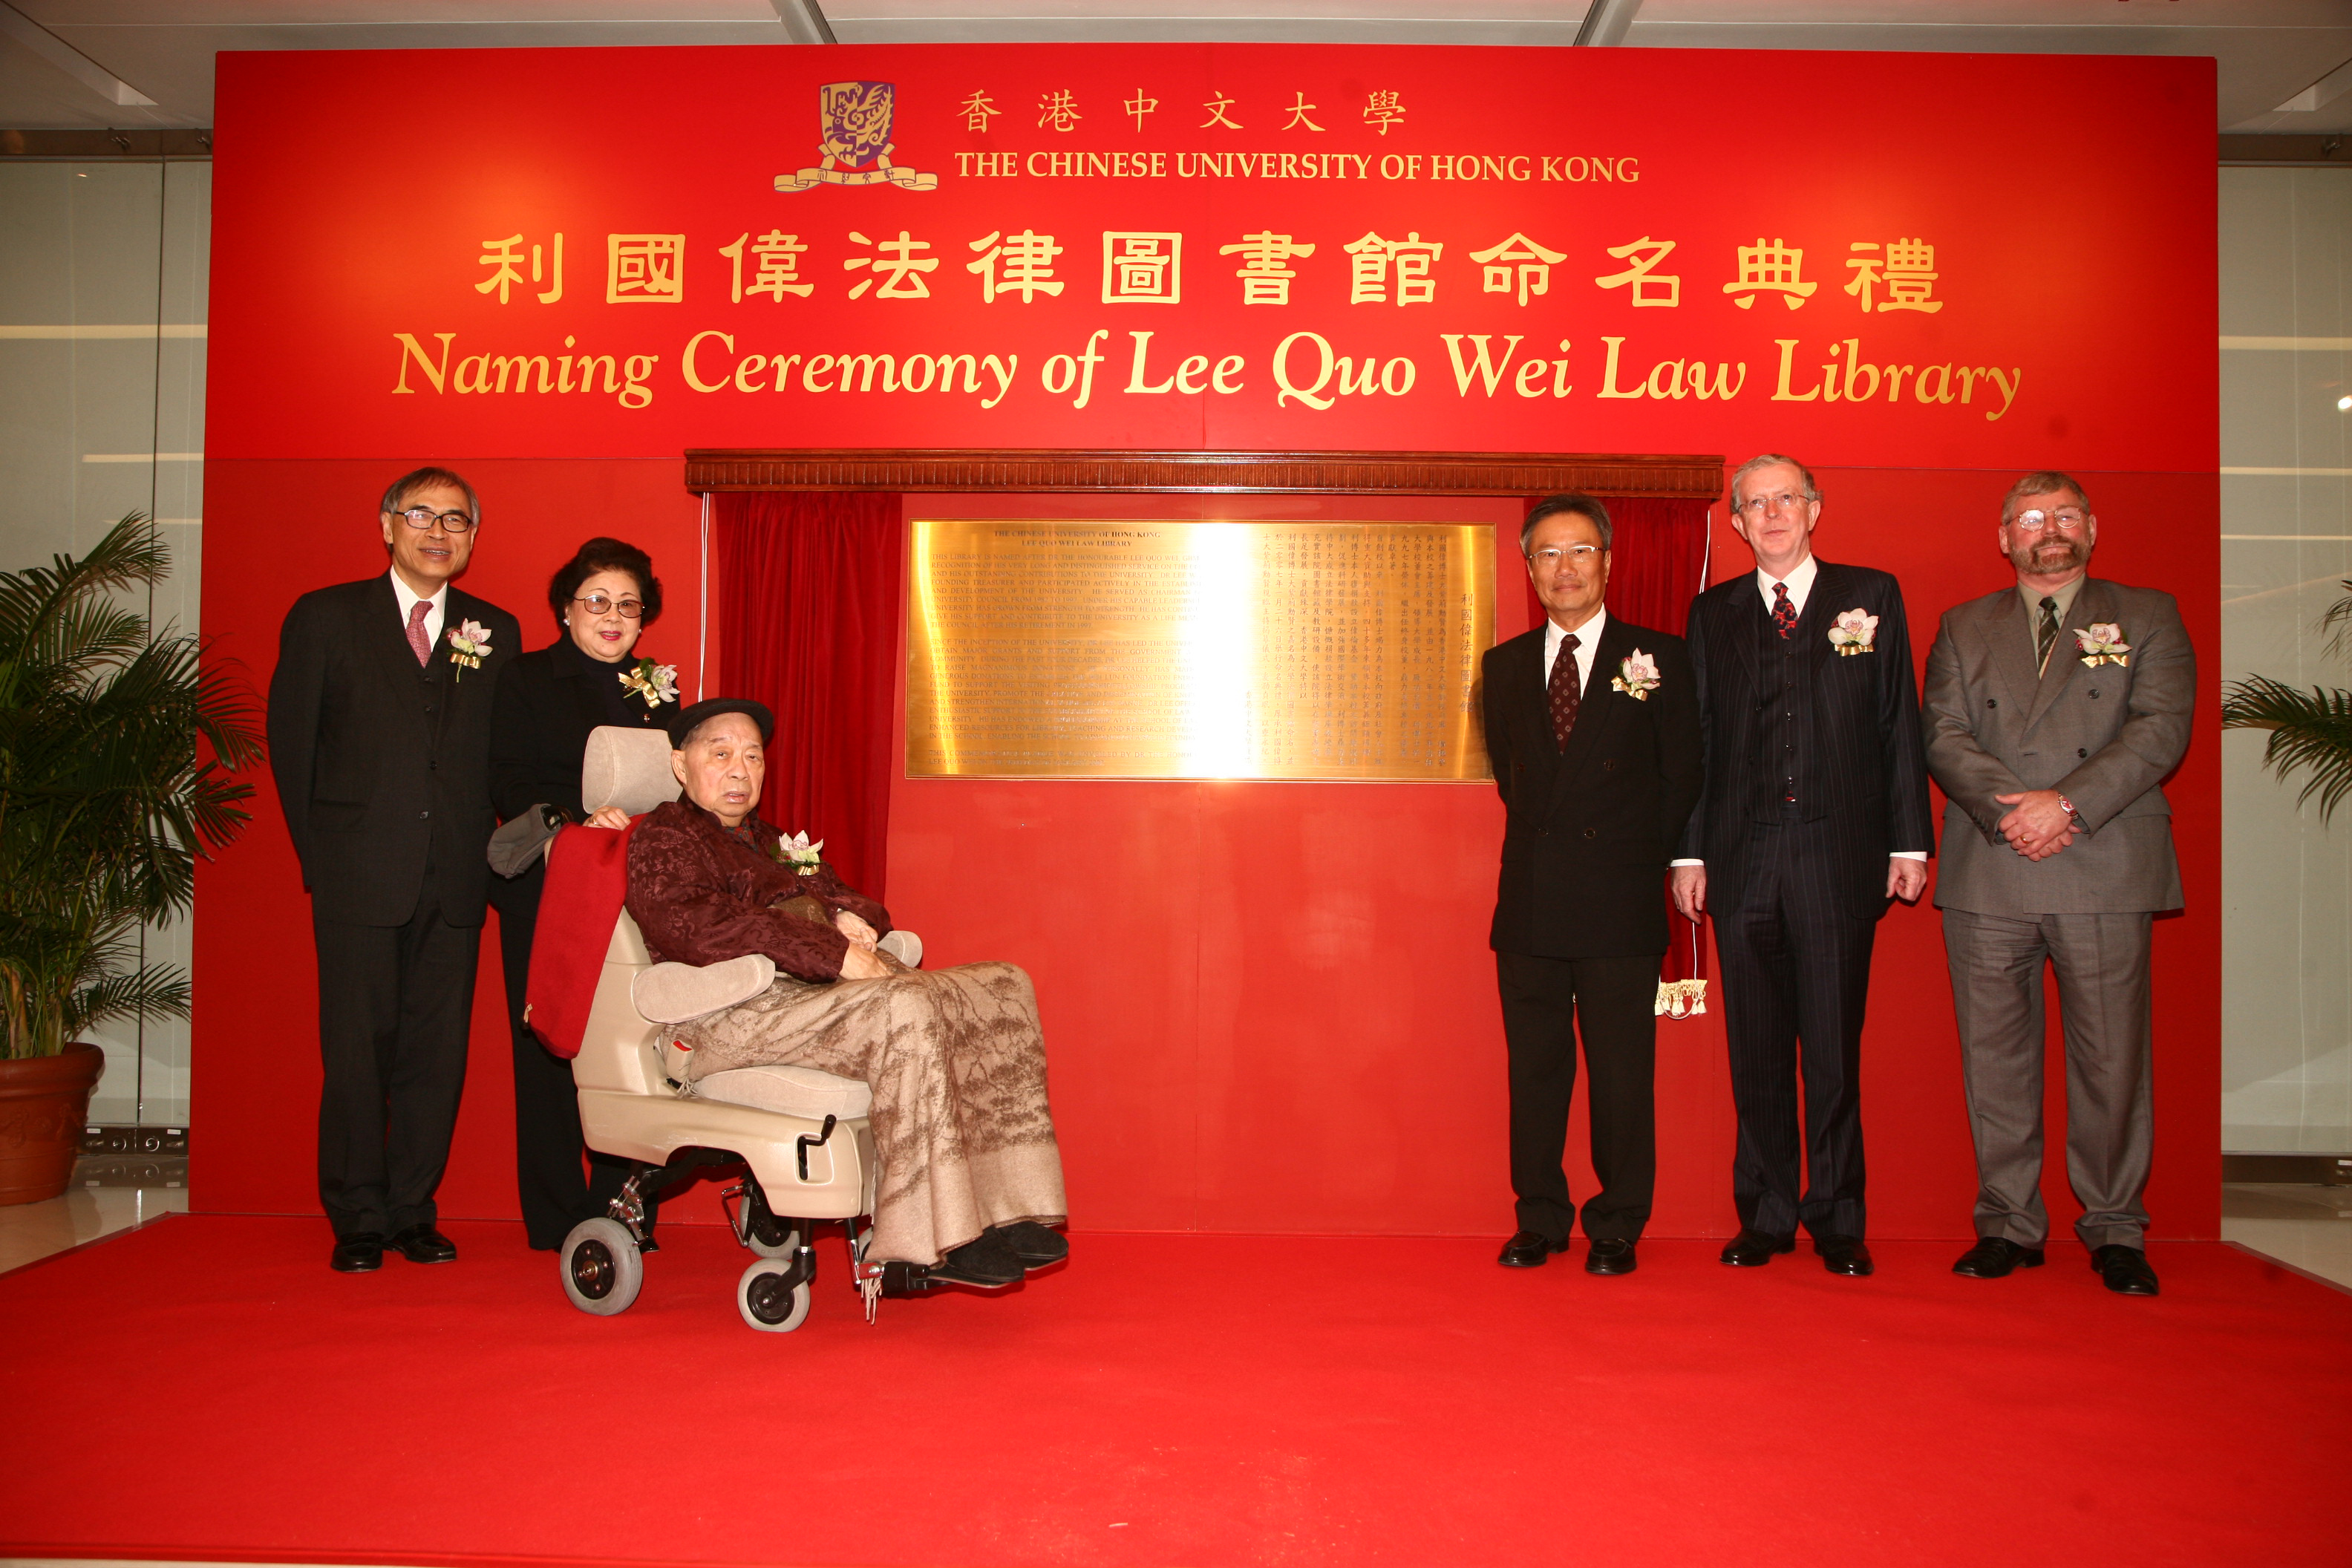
{"x": 43, "y": 1101}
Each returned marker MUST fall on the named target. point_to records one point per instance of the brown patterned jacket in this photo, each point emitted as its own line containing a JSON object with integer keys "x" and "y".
{"x": 703, "y": 895}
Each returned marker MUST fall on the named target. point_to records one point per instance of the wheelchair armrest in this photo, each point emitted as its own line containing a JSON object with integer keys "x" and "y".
{"x": 679, "y": 993}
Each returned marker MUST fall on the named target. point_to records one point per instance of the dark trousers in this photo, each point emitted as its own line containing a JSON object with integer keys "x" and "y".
{"x": 1612, "y": 1001}
{"x": 1796, "y": 979}
{"x": 393, "y": 1002}
{"x": 549, "y": 1182}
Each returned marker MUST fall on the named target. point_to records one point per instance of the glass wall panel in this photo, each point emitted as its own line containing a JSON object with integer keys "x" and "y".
{"x": 102, "y": 292}
{"x": 2286, "y": 549}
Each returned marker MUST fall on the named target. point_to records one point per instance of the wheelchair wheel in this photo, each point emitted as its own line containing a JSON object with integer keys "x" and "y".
{"x": 765, "y": 1232}
{"x": 602, "y": 1271}
{"x": 767, "y": 1301}
{"x": 784, "y": 1249}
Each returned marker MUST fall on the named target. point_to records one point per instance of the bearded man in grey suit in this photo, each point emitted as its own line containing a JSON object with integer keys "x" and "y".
{"x": 2053, "y": 710}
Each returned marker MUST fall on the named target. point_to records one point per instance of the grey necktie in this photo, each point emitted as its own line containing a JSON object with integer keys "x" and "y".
{"x": 2046, "y": 634}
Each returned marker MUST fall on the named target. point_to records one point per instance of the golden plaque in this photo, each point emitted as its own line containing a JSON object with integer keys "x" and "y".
{"x": 1197, "y": 650}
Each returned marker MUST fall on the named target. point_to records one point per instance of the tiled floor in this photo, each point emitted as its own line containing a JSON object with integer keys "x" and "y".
{"x": 2324, "y": 1138}
{"x": 30, "y": 1232}
{"x": 2308, "y": 1228}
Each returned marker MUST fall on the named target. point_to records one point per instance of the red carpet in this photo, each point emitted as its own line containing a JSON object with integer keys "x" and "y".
{"x": 1166, "y": 1400}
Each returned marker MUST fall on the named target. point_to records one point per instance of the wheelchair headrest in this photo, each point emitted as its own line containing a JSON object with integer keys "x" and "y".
{"x": 628, "y": 768}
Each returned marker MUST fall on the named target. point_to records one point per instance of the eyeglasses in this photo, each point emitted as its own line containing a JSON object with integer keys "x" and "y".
{"x": 424, "y": 517}
{"x": 1757, "y": 506}
{"x": 2065, "y": 518}
{"x": 1553, "y": 555}
{"x": 604, "y": 605}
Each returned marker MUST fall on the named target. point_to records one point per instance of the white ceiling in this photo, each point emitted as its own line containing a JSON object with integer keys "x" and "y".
{"x": 2269, "y": 51}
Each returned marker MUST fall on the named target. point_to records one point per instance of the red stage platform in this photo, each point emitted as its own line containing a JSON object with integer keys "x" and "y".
{"x": 1174, "y": 1399}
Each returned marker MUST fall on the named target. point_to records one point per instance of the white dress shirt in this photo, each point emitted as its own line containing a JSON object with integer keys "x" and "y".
{"x": 1799, "y": 581}
{"x": 1588, "y": 638}
{"x": 408, "y": 602}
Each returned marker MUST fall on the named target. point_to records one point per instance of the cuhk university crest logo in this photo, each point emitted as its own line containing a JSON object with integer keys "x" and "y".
{"x": 853, "y": 121}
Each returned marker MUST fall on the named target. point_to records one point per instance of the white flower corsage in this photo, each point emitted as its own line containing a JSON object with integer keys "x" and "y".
{"x": 1637, "y": 676}
{"x": 467, "y": 646}
{"x": 798, "y": 853}
{"x": 657, "y": 683}
{"x": 1854, "y": 632}
{"x": 2102, "y": 642}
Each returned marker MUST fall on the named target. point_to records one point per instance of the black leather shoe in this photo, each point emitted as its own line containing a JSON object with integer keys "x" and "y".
{"x": 357, "y": 1254}
{"x": 1755, "y": 1249}
{"x": 2125, "y": 1270}
{"x": 1993, "y": 1256}
{"x": 1610, "y": 1255}
{"x": 1034, "y": 1245}
{"x": 985, "y": 1260}
{"x": 1529, "y": 1250}
{"x": 423, "y": 1244}
{"x": 1844, "y": 1255}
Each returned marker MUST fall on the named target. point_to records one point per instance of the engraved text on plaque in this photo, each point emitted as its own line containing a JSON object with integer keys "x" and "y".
{"x": 1264, "y": 650}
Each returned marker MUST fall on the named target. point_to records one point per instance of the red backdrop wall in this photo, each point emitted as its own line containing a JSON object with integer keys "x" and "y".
{"x": 1269, "y": 1007}
{"x": 296, "y": 526}
{"x": 333, "y": 337}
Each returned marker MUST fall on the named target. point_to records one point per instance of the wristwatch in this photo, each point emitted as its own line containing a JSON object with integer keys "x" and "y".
{"x": 2072, "y": 816}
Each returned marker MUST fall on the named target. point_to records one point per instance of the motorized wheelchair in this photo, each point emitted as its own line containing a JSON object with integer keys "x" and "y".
{"x": 796, "y": 1140}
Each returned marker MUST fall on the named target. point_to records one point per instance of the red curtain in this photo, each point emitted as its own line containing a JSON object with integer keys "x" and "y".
{"x": 1658, "y": 563}
{"x": 807, "y": 587}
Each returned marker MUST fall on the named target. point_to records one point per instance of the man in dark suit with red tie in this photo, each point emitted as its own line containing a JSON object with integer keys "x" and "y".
{"x": 379, "y": 739}
{"x": 1815, "y": 814}
{"x": 1593, "y": 727}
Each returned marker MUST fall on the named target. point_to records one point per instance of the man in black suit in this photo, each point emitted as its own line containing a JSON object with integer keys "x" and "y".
{"x": 379, "y": 739}
{"x": 1593, "y": 727}
{"x": 1815, "y": 814}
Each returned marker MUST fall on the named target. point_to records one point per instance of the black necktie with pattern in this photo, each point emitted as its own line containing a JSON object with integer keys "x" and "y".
{"x": 1784, "y": 612}
{"x": 1564, "y": 690}
{"x": 2046, "y": 634}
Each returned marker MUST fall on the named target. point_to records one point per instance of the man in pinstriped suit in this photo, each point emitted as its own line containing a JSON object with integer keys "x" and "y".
{"x": 2055, "y": 709}
{"x": 1815, "y": 814}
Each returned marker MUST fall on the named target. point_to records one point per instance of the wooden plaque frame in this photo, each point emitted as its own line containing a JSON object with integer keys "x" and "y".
{"x": 915, "y": 470}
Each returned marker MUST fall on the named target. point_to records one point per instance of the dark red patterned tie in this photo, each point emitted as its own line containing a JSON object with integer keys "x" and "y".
{"x": 1564, "y": 691}
{"x": 1784, "y": 613}
{"x": 419, "y": 643}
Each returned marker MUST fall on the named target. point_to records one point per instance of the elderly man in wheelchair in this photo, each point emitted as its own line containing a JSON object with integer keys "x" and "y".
{"x": 761, "y": 990}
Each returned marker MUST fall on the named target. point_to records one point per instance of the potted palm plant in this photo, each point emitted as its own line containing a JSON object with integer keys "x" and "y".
{"x": 116, "y": 750}
{"x": 2309, "y": 730}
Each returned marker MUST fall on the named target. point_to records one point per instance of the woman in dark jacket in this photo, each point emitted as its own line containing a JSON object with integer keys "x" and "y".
{"x": 548, "y": 701}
